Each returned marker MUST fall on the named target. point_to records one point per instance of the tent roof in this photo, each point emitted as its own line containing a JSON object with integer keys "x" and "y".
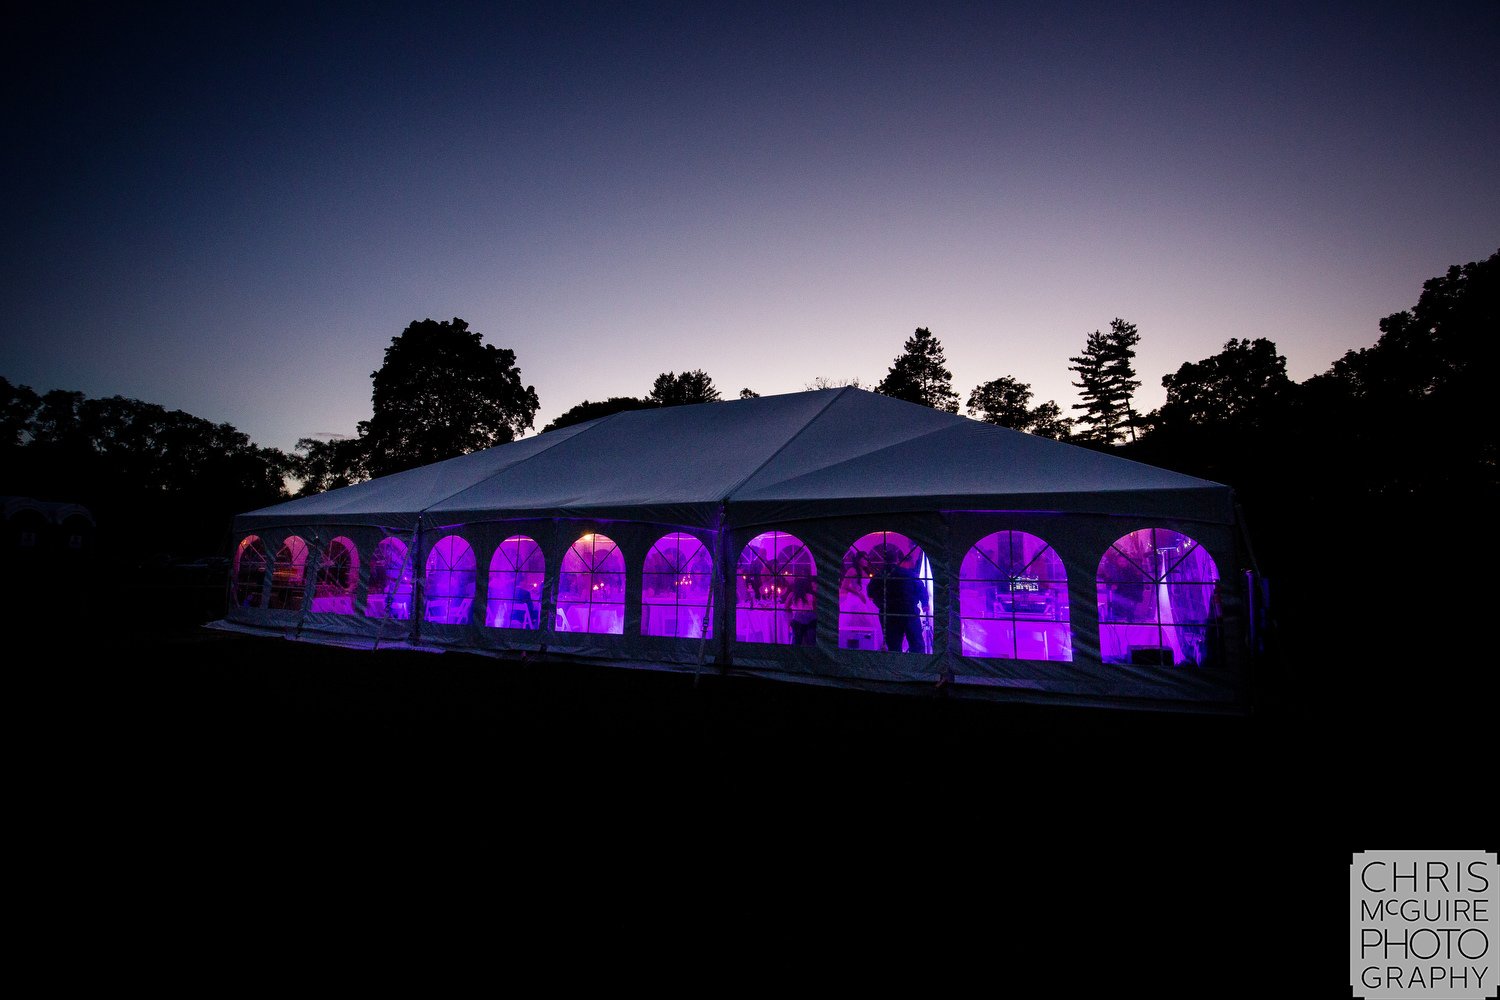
{"x": 776, "y": 457}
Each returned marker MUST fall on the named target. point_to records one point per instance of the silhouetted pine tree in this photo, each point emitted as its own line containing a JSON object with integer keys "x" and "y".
{"x": 920, "y": 375}
{"x": 1106, "y": 381}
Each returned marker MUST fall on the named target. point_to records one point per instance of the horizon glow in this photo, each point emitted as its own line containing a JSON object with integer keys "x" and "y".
{"x": 234, "y": 216}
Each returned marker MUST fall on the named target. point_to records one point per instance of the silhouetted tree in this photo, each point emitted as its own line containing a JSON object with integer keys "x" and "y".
{"x": 919, "y": 374}
{"x": 1106, "y": 381}
{"x": 18, "y": 403}
{"x": 1047, "y": 421}
{"x": 1007, "y": 402}
{"x": 1388, "y": 463}
{"x": 156, "y": 479}
{"x": 1225, "y": 417}
{"x": 1100, "y": 411}
{"x": 1445, "y": 346}
{"x": 586, "y": 410}
{"x": 1123, "y": 337}
{"x": 669, "y": 389}
{"x": 1004, "y": 401}
{"x": 328, "y": 465}
{"x": 441, "y": 392}
{"x": 749, "y": 394}
{"x": 58, "y": 422}
{"x": 823, "y": 382}
{"x": 1242, "y": 386}
{"x": 61, "y": 463}
{"x": 682, "y": 390}
{"x": 1407, "y": 419}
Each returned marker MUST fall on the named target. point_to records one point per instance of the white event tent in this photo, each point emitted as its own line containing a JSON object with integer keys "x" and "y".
{"x": 837, "y": 537}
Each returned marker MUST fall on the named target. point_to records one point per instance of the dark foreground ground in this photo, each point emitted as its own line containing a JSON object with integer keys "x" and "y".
{"x": 197, "y": 699}
{"x": 1321, "y": 754}
{"x": 1216, "y": 845}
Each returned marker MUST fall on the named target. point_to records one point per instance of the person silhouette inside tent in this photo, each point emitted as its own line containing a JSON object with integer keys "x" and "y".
{"x": 801, "y": 600}
{"x": 899, "y": 596}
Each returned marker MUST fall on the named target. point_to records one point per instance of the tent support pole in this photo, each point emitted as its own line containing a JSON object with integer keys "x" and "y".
{"x": 722, "y": 593}
{"x": 942, "y": 638}
{"x": 418, "y": 587}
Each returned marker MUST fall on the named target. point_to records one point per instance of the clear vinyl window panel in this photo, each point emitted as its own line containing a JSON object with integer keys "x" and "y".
{"x": 449, "y": 595}
{"x": 518, "y": 570}
{"x": 677, "y": 588}
{"x": 390, "y": 581}
{"x": 776, "y": 588}
{"x": 1013, "y": 599}
{"x": 249, "y": 572}
{"x": 289, "y": 575}
{"x": 338, "y": 575}
{"x": 885, "y": 595}
{"x": 591, "y": 587}
{"x": 1158, "y": 593}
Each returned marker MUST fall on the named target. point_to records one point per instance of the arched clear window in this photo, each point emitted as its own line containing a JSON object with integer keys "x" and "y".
{"x": 517, "y": 571}
{"x": 77, "y": 533}
{"x": 30, "y": 527}
{"x": 1158, "y": 600}
{"x": 449, "y": 594}
{"x": 338, "y": 574}
{"x": 677, "y": 588}
{"x": 776, "y": 588}
{"x": 885, "y": 595}
{"x": 591, "y": 587}
{"x": 390, "y": 581}
{"x": 249, "y": 573}
{"x": 1013, "y": 599}
{"x": 289, "y": 575}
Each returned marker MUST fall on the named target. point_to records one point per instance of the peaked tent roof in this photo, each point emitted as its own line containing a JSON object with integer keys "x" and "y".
{"x": 826, "y": 452}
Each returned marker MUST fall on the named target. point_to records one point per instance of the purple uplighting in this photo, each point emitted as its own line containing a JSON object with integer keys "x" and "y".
{"x": 449, "y": 596}
{"x": 249, "y": 572}
{"x": 885, "y": 595}
{"x": 390, "y": 581}
{"x": 1158, "y": 594}
{"x": 776, "y": 591}
{"x": 1157, "y": 589}
{"x": 591, "y": 587}
{"x": 338, "y": 573}
{"x": 517, "y": 571}
{"x": 677, "y": 588}
{"x": 289, "y": 575}
{"x": 1013, "y": 599}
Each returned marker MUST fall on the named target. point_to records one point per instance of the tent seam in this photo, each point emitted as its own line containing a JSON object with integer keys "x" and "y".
{"x": 729, "y": 493}
{"x": 500, "y": 472}
{"x": 852, "y": 458}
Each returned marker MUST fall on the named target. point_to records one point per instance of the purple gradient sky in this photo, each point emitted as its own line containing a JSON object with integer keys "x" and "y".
{"x": 234, "y": 215}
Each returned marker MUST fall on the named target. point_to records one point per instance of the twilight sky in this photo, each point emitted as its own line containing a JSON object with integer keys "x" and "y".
{"x": 233, "y": 214}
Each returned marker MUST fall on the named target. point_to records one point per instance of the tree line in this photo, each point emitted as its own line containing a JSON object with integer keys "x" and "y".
{"x": 1396, "y": 421}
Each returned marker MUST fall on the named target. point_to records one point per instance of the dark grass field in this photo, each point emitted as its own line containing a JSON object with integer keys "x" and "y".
{"x": 1353, "y": 707}
{"x": 290, "y": 768}
{"x": 193, "y": 714}
{"x": 1341, "y": 719}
